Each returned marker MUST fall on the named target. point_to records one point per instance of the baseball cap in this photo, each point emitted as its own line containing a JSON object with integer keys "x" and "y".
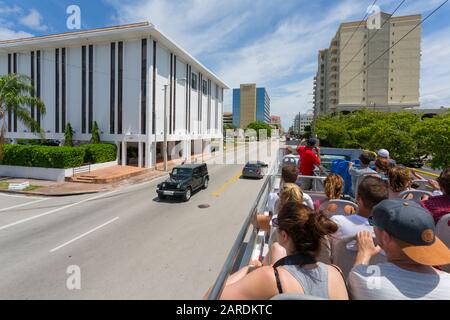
{"x": 413, "y": 229}
{"x": 383, "y": 153}
{"x": 311, "y": 142}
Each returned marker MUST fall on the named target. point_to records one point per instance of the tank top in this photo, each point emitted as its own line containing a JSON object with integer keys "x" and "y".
{"x": 313, "y": 281}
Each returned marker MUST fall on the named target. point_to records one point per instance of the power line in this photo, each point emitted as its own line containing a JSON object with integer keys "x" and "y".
{"x": 360, "y": 23}
{"x": 387, "y": 50}
{"x": 386, "y": 21}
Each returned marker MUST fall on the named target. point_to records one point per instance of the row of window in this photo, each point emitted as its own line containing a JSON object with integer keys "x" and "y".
{"x": 194, "y": 84}
{"x": 116, "y": 81}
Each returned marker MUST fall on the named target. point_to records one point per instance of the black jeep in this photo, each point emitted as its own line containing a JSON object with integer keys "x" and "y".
{"x": 184, "y": 180}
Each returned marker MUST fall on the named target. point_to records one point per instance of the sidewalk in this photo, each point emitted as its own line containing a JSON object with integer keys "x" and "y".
{"x": 58, "y": 189}
{"x": 101, "y": 180}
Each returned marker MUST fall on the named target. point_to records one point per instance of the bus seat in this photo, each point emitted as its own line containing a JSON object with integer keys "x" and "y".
{"x": 443, "y": 233}
{"x": 295, "y": 296}
{"x": 417, "y": 195}
{"x": 422, "y": 185}
{"x": 443, "y": 229}
{"x": 325, "y": 252}
{"x": 339, "y": 207}
{"x": 345, "y": 258}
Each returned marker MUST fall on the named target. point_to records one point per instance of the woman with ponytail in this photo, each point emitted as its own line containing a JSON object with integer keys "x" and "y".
{"x": 301, "y": 231}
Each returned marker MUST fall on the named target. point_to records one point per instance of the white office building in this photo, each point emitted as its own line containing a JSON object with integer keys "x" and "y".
{"x": 301, "y": 121}
{"x": 124, "y": 78}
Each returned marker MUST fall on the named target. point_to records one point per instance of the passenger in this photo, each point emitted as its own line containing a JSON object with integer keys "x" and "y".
{"x": 289, "y": 192}
{"x": 300, "y": 232}
{"x": 382, "y": 168}
{"x": 383, "y": 155}
{"x": 309, "y": 157}
{"x": 364, "y": 169}
{"x": 439, "y": 205}
{"x": 289, "y": 174}
{"x": 334, "y": 190}
{"x": 406, "y": 233}
{"x": 371, "y": 191}
{"x": 399, "y": 181}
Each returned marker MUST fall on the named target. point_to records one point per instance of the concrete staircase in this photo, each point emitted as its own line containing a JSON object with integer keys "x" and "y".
{"x": 107, "y": 175}
{"x": 83, "y": 178}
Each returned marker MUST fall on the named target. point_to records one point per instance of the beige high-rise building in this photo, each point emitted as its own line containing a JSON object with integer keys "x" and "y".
{"x": 359, "y": 70}
{"x": 250, "y": 104}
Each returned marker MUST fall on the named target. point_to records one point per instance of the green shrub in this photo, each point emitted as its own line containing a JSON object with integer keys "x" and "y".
{"x": 43, "y": 156}
{"x": 68, "y": 135}
{"x": 98, "y": 153}
{"x": 57, "y": 157}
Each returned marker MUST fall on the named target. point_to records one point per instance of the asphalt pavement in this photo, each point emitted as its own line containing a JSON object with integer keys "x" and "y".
{"x": 122, "y": 244}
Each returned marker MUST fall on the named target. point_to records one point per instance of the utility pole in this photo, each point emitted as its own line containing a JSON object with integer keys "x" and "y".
{"x": 165, "y": 128}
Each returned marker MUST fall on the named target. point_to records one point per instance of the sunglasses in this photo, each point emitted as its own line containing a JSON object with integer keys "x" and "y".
{"x": 275, "y": 222}
{"x": 372, "y": 223}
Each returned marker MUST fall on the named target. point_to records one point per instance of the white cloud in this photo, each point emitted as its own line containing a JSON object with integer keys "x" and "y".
{"x": 267, "y": 43}
{"x": 200, "y": 26}
{"x": 435, "y": 77}
{"x": 7, "y": 34}
{"x": 4, "y": 10}
{"x": 33, "y": 20}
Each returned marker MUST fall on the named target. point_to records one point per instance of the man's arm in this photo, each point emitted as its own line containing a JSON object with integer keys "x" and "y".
{"x": 300, "y": 144}
{"x": 316, "y": 154}
{"x": 352, "y": 170}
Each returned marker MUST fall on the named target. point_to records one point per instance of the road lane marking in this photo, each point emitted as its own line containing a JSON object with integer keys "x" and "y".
{"x": 23, "y": 204}
{"x": 226, "y": 184}
{"x": 431, "y": 174}
{"x": 83, "y": 235}
{"x": 121, "y": 191}
{"x": 54, "y": 211}
{"x": 17, "y": 196}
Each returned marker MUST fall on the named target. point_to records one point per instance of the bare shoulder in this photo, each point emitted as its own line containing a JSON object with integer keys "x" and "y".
{"x": 336, "y": 284}
{"x": 334, "y": 271}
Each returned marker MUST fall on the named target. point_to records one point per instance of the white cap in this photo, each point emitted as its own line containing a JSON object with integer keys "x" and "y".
{"x": 383, "y": 153}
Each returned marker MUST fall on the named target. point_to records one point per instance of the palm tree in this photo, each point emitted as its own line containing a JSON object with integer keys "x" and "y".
{"x": 17, "y": 95}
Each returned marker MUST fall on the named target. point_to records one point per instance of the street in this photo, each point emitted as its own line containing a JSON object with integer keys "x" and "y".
{"x": 126, "y": 243}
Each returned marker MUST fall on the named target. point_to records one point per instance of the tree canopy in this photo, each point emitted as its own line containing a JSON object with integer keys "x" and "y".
{"x": 18, "y": 97}
{"x": 404, "y": 134}
{"x": 259, "y": 125}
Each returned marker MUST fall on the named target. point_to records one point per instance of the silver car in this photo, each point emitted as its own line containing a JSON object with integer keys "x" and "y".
{"x": 254, "y": 169}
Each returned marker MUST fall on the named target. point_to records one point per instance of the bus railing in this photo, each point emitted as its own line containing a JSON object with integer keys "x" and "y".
{"x": 242, "y": 251}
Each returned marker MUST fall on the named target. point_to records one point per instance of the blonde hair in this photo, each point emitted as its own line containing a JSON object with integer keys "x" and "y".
{"x": 290, "y": 193}
{"x": 334, "y": 186}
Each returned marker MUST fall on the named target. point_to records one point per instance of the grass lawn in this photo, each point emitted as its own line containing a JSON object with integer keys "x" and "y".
{"x": 5, "y": 185}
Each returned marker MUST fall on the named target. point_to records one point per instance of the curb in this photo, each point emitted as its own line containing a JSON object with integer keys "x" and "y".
{"x": 31, "y": 194}
{"x": 426, "y": 173}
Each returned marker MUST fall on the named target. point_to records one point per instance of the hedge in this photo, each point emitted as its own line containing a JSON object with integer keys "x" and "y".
{"x": 57, "y": 157}
{"x": 43, "y": 156}
{"x": 98, "y": 153}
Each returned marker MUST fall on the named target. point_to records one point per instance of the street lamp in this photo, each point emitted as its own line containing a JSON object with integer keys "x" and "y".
{"x": 182, "y": 80}
{"x": 165, "y": 128}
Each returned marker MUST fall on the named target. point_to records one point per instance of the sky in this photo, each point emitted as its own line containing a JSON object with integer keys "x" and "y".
{"x": 273, "y": 43}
